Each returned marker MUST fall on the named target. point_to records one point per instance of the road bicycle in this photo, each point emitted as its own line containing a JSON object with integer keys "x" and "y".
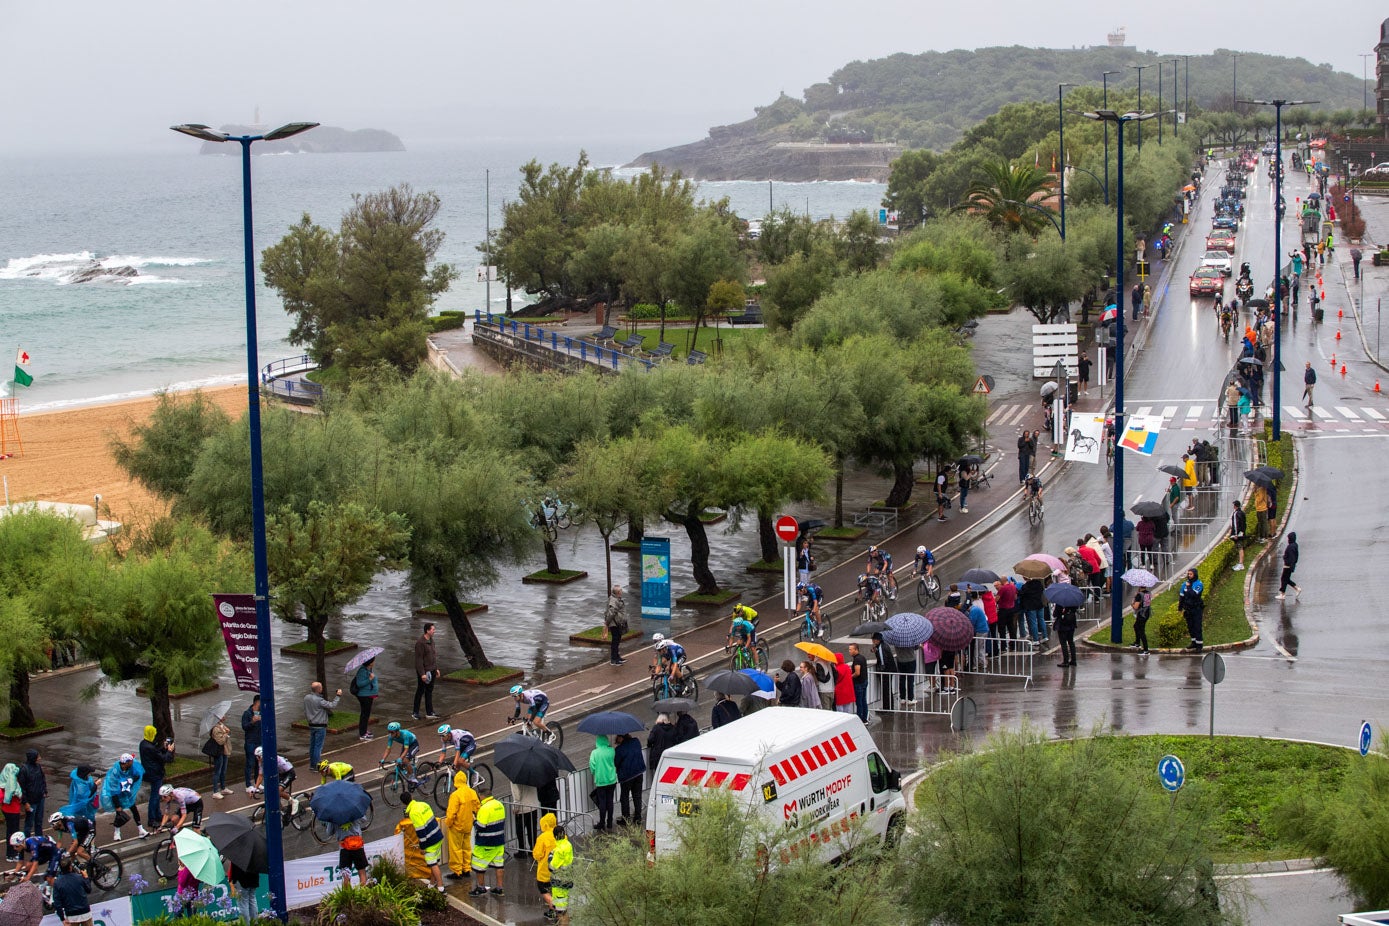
{"x": 663, "y": 686}
{"x": 874, "y": 608}
{"x": 299, "y": 819}
{"x": 1035, "y": 510}
{"x": 104, "y": 868}
{"x": 811, "y": 629}
{"x": 747, "y": 655}
{"x": 479, "y": 776}
{"x": 166, "y": 853}
{"x": 398, "y": 785}
{"x": 552, "y": 734}
{"x": 927, "y": 588}
{"x": 325, "y": 833}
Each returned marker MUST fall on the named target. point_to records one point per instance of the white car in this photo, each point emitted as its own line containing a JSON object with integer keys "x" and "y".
{"x": 1220, "y": 260}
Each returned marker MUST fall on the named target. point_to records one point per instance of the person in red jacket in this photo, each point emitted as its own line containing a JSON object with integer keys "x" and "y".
{"x": 844, "y": 699}
{"x": 1092, "y": 562}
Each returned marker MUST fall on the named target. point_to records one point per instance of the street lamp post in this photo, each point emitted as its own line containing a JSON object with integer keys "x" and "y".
{"x": 1140, "y": 68}
{"x": 1186, "y": 85}
{"x": 1277, "y": 254}
{"x": 1116, "y": 626}
{"x": 1234, "y": 80}
{"x": 269, "y": 747}
{"x": 1159, "y": 82}
{"x": 1365, "y": 83}
{"x": 1061, "y": 125}
{"x": 1104, "y": 78}
{"x": 1175, "y": 107}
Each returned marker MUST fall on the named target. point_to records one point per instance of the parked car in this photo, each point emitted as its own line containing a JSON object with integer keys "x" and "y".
{"x": 1220, "y": 260}
{"x": 1207, "y": 281}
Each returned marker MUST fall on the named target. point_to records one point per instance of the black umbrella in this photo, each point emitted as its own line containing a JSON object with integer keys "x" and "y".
{"x": 1148, "y": 509}
{"x": 808, "y": 526}
{"x": 1271, "y": 472}
{"x": 610, "y": 723}
{"x": 1065, "y": 594}
{"x": 1173, "y": 471}
{"x": 971, "y": 459}
{"x": 240, "y": 843}
{"x": 978, "y": 576}
{"x": 525, "y": 760}
{"x": 731, "y": 683}
{"x": 1262, "y": 480}
{"x": 675, "y": 706}
{"x": 868, "y": 629}
{"x": 1252, "y": 361}
{"x": 1257, "y": 303}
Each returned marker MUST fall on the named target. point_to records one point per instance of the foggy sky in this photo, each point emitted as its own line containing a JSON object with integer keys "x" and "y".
{"x": 80, "y": 75}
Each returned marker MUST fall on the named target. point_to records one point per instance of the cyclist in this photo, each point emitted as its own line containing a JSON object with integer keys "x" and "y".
{"x": 810, "y": 596}
{"x": 536, "y": 702}
{"x": 41, "y": 851}
{"x": 747, "y": 618}
{"x": 670, "y": 658}
{"x": 880, "y": 565}
{"x": 1032, "y": 488}
{"x": 461, "y": 742}
{"x": 335, "y": 771}
{"x": 286, "y": 775}
{"x": 409, "y": 747}
{"x": 870, "y": 588}
{"x": 924, "y": 563}
{"x": 177, "y": 805}
{"x": 80, "y": 830}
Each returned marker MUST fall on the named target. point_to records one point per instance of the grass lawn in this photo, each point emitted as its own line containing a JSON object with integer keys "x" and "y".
{"x": 306, "y": 648}
{"x": 696, "y": 598}
{"x": 40, "y": 726}
{"x": 1244, "y": 780}
{"x": 338, "y": 721}
{"x": 703, "y": 338}
{"x": 493, "y": 676}
{"x": 598, "y": 636}
{"x": 186, "y": 767}
{"x": 840, "y": 533}
{"x": 556, "y": 578}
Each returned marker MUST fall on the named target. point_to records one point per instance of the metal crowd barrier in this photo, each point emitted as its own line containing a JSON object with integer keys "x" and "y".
{"x": 1004, "y": 657}
{"x": 930, "y": 694}
{"x": 523, "y": 823}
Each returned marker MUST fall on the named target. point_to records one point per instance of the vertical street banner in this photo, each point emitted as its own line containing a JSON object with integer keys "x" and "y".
{"x": 237, "y": 615}
{"x": 1086, "y": 439}
{"x": 1141, "y": 434}
{"x": 655, "y": 578}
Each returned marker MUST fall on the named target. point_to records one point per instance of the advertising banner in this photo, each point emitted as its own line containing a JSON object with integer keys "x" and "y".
{"x": 308, "y": 880}
{"x": 237, "y": 615}
{"x": 1086, "y": 439}
{"x": 655, "y": 578}
{"x": 1141, "y": 434}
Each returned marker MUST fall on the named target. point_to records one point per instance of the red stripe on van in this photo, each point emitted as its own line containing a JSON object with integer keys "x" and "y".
{"x": 800, "y": 766}
{"x": 776, "y": 773}
{"x": 834, "y": 748}
{"x": 694, "y": 776}
{"x": 672, "y": 775}
{"x": 715, "y": 779}
{"x": 810, "y": 760}
{"x": 740, "y": 781}
{"x": 789, "y": 770}
{"x": 820, "y": 756}
{"x": 848, "y": 742}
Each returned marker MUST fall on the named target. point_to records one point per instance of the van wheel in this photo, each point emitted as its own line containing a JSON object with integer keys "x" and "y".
{"x": 895, "y": 827}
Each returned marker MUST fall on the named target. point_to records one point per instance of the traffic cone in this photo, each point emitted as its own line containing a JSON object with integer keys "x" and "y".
{"x": 1338, "y": 334}
{"x": 1333, "y": 361}
{"x": 1376, "y": 386}
{"x": 1343, "y": 369}
{"x": 1340, "y": 313}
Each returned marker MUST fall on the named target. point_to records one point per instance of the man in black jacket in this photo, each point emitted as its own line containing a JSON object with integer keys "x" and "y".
{"x": 33, "y": 786}
{"x": 250, "y": 725}
{"x": 886, "y": 659}
{"x": 154, "y": 756}
{"x": 1290, "y": 555}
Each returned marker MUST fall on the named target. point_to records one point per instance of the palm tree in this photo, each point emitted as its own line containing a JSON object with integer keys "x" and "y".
{"x": 1004, "y": 196}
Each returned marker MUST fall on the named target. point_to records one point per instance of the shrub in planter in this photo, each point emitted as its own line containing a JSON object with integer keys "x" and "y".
{"x": 380, "y": 904}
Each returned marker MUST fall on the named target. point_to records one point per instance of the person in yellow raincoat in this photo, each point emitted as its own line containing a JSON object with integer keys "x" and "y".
{"x": 544, "y": 845}
{"x": 458, "y": 825}
{"x": 561, "y": 874}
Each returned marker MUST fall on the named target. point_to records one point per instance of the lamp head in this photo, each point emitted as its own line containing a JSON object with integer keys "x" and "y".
{"x": 198, "y": 130}
{"x": 285, "y": 131}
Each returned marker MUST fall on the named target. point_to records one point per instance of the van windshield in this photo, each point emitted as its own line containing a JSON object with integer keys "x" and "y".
{"x": 877, "y": 773}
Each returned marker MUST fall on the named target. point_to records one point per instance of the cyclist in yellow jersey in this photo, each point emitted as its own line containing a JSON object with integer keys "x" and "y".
{"x": 335, "y": 771}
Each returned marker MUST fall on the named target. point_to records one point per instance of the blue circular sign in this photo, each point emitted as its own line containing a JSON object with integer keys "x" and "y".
{"x": 1171, "y": 773}
{"x": 1366, "y": 735}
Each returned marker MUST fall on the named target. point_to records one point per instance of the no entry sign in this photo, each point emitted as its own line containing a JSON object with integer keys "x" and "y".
{"x": 787, "y": 529}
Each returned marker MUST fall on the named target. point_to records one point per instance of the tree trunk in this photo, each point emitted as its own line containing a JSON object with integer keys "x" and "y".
{"x": 317, "y": 637}
{"x": 463, "y": 629}
{"x": 699, "y": 552}
{"x": 607, "y": 554}
{"x": 902, "y": 481}
{"x": 160, "y": 715}
{"x": 551, "y": 557}
{"x": 839, "y": 490}
{"x": 21, "y": 713}
{"x": 766, "y": 536}
{"x": 635, "y": 530}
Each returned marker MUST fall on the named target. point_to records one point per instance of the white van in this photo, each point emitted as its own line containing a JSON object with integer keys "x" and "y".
{"x": 801, "y": 768}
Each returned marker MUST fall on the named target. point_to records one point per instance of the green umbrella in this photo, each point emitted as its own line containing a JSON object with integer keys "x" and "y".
{"x": 197, "y": 853}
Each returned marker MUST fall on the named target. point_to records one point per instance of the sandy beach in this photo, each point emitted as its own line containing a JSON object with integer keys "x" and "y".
{"x": 67, "y": 455}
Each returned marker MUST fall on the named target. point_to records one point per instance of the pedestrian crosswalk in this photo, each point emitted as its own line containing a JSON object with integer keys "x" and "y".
{"x": 1187, "y": 417}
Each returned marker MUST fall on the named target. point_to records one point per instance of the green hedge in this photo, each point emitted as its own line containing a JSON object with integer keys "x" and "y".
{"x": 447, "y": 320}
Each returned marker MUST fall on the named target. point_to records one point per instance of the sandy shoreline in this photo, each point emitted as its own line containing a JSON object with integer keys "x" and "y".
{"x": 67, "y": 454}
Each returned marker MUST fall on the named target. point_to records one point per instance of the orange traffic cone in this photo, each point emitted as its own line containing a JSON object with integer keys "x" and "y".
{"x": 1340, "y": 313}
{"x": 1338, "y": 334}
{"x": 1343, "y": 369}
{"x": 1376, "y": 385}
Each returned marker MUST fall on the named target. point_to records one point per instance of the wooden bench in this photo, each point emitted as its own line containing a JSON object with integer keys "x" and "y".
{"x": 631, "y": 344}
{"x": 696, "y": 358}
{"x": 605, "y": 334}
{"x": 664, "y": 351}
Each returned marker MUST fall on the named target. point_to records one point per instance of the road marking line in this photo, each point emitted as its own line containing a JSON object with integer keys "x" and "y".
{"x": 1295, "y": 412}
{"x": 1144, "y": 411}
{"x": 1194, "y": 411}
{"x": 1322, "y": 413}
{"x": 1373, "y": 414}
{"x": 1347, "y": 413}
{"x": 1169, "y": 412}
{"x": 994, "y": 418}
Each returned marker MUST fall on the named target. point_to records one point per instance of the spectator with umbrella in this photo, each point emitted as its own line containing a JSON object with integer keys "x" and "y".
{"x": 1142, "y": 610}
{"x": 952, "y": 632}
{"x": 1065, "y": 599}
{"x": 364, "y": 687}
{"x": 906, "y": 632}
{"x": 218, "y": 746}
{"x": 242, "y": 847}
{"x": 344, "y": 805}
{"x": 885, "y": 661}
{"x": 725, "y": 711}
{"x": 631, "y": 773}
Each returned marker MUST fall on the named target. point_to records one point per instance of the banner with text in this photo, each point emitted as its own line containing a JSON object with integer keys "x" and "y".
{"x": 237, "y": 615}
{"x": 309, "y": 880}
{"x": 655, "y": 578}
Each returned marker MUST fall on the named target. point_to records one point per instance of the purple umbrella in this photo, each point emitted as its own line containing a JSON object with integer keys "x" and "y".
{"x": 361, "y": 659}
{"x": 1050, "y": 560}
{"x": 951, "y": 630}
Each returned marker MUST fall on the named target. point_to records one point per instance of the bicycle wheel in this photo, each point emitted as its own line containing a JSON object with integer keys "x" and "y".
{"x": 825, "y": 631}
{"x": 258, "y": 815}
{"x": 877, "y": 610}
{"x": 922, "y": 595}
{"x": 105, "y": 869}
{"x": 933, "y": 587}
{"x": 443, "y": 790}
{"x": 303, "y": 818}
{"x": 805, "y": 632}
{"x": 392, "y": 787}
{"x": 553, "y": 735}
{"x": 691, "y": 688}
{"x": 658, "y": 688}
{"x": 760, "y": 649}
{"x": 165, "y": 859}
{"x": 323, "y": 831}
{"x": 1033, "y": 514}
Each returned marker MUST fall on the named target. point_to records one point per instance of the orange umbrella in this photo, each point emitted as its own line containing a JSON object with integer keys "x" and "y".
{"x": 818, "y": 650}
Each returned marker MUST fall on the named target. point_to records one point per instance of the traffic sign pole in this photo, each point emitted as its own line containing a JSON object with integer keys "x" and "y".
{"x": 787, "y": 530}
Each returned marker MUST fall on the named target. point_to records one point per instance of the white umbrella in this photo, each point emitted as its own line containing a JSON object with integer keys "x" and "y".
{"x": 214, "y": 714}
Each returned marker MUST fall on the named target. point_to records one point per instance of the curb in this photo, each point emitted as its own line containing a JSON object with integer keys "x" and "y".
{"x": 1272, "y": 547}
{"x": 471, "y": 911}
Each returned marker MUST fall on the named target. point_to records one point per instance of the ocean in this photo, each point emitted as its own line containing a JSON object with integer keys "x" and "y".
{"x": 176, "y": 219}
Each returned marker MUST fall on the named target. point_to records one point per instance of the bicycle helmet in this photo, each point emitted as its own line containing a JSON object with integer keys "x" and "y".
{"x": 55, "y": 818}
{"x": 516, "y": 689}
{"x": 800, "y": 586}
{"x": 17, "y": 840}
{"x": 258, "y": 752}
{"x": 657, "y": 639}
{"x": 393, "y": 727}
{"x": 126, "y": 758}
{"x": 445, "y": 729}
{"x": 664, "y": 644}
{"x": 921, "y": 550}
{"x": 873, "y": 548}
{"x": 166, "y": 790}
{"x": 323, "y": 767}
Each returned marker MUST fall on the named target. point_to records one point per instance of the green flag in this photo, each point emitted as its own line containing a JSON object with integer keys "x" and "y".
{"x": 21, "y": 375}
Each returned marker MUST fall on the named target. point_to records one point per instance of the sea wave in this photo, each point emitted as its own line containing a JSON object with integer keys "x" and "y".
{"x": 57, "y": 268}
{"x": 136, "y": 261}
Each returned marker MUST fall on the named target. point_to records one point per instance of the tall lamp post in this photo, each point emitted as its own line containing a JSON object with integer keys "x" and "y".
{"x": 1365, "y": 82}
{"x": 1140, "y": 68}
{"x": 1186, "y": 85}
{"x": 269, "y": 747}
{"x": 1234, "y": 80}
{"x": 1116, "y": 626}
{"x": 1104, "y": 78}
{"x": 1159, "y": 83}
{"x": 1175, "y": 108}
{"x": 1277, "y": 254}
{"x": 1061, "y": 125}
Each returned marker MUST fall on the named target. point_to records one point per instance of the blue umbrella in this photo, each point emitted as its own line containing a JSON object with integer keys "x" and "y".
{"x": 762, "y": 679}
{"x": 610, "y": 723}
{"x": 340, "y": 802}
{"x": 1065, "y": 594}
{"x": 907, "y": 629}
{"x": 973, "y": 586}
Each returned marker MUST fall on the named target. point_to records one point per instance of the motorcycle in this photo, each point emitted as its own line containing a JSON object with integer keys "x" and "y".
{"x": 1244, "y": 288}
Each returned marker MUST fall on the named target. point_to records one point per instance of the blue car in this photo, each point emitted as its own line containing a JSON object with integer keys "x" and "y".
{"x": 1225, "y": 221}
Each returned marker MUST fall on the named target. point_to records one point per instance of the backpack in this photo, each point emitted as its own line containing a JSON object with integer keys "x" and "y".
{"x": 355, "y": 688}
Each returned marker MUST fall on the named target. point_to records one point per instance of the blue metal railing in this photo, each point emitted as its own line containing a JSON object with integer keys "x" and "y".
{"x": 586, "y": 351}
{"x": 301, "y": 391}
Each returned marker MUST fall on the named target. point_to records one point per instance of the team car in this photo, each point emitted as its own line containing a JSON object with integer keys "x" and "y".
{"x": 1208, "y": 281}
{"x": 1222, "y": 239}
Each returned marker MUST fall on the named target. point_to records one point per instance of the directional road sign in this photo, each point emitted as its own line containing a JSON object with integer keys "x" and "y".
{"x": 1171, "y": 773}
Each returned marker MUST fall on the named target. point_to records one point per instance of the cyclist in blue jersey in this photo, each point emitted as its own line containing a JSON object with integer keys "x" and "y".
{"x": 870, "y": 588}
{"x": 536, "y": 703}
{"x": 409, "y": 746}
{"x": 808, "y": 598}
{"x": 670, "y": 658}
{"x": 40, "y": 851}
{"x": 80, "y": 832}
{"x": 1032, "y": 488}
{"x": 924, "y": 563}
{"x": 880, "y": 565}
